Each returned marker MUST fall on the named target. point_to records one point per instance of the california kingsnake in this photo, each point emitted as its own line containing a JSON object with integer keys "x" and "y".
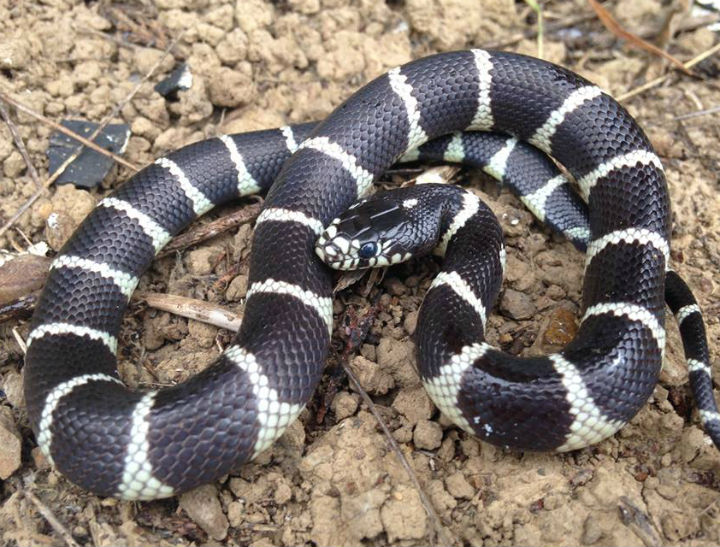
{"x": 147, "y": 445}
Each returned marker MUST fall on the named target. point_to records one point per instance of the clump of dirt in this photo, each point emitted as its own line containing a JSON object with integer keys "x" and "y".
{"x": 333, "y": 478}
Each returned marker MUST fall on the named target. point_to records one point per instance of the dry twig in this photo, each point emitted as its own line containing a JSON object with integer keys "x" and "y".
{"x": 53, "y": 521}
{"x": 20, "y": 145}
{"x": 192, "y": 308}
{"x": 698, "y": 113}
{"x": 212, "y": 229}
{"x": 437, "y": 530}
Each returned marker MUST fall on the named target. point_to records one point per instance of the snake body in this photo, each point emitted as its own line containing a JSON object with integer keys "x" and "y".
{"x": 114, "y": 441}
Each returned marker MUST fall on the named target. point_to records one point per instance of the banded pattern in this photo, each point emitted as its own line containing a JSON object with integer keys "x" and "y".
{"x": 116, "y": 442}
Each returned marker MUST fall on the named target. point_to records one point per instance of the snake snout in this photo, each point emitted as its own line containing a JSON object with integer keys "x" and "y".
{"x": 333, "y": 248}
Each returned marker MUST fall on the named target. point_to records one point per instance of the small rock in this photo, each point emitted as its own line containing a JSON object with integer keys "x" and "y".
{"x": 233, "y": 47}
{"x": 517, "y": 305}
{"x": 142, "y": 127}
{"x": 86, "y": 72}
{"x": 253, "y": 14}
{"x": 202, "y": 333}
{"x": 368, "y": 351}
{"x": 441, "y": 499}
{"x": 592, "y": 531}
{"x": 394, "y": 286}
{"x": 236, "y": 513}
{"x": 58, "y": 230}
{"x": 13, "y": 388}
{"x": 561, "y": 328}
{"x": 414, "y": 404}
{"x": 371, "y": 377}
{"x": 410, "y": 323}
{"x": 283, "y": 493}
{"x": 427, "y": 435}
{"x": 20, "y": 276}
{"x": 345, "y": 404}
{"x": 677, "y": 526}
{"x": 397, "y": 357}
{"x": 145, "y": 59}
{"x": 459, "y": 487}
{"x": 202, "y": 261}
{"x": 403, "y": 434}
{"x": 73, "y": 202}
{"x": 203, "y": 507}
{"x": 39, "y": 459}
{"x": 230, "y": 88}
{"x": 14, "y": 165}
{"x": 237, "y": 289}
{"x": 306, "y": 7}
{"x": 10, "y": 444}
{"x": 14, "y": 53}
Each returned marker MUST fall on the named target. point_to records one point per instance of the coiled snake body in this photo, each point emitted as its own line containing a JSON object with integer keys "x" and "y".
{"x": 117, "y": 442}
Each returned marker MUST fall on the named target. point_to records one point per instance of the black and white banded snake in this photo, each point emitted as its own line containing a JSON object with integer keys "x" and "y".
{"x": 117, "y": 442}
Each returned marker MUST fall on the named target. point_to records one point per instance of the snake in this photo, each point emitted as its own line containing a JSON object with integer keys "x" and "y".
{"x": 129, "y": 444}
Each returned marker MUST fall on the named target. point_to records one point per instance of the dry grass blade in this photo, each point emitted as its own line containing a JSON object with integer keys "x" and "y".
{"x": 660, "y": 79}
{"x": 698, "y": 113}
{"x": 540, "y": 26}
{"x": 613, "y": 26}
{"x": 532, "y": 33}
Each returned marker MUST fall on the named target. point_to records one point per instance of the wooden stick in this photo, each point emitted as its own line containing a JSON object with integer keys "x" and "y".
{"x": 192, "y": 308}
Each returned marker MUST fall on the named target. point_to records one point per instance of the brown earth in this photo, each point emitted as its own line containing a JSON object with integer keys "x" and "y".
{"x": 333, "y": 479}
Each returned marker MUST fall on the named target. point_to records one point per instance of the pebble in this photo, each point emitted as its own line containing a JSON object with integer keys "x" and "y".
{"x": 13, "y": 388}
{"x": 459, "y": 487}
{"x": 517, "y": 305}
{"x": 394, "y": 286}
{"x": 410, "y": 322}
{"x": 427, "y": 435}
{"x": 230, "y": 88}
{"x": 69, "y": 206}
{"x": 592, "y": 531}
{"x": 14, "y": 165}
{"x": 561, "y": 328}
{"x": 202, "y": 261}
{"x": 345, "y": 404}
{"x": 203, "y": 507}
{"x": 371, "y": 376}
{"x": 237, "y": 288}
{"x": 414, "y": 404}
{"x": 14, "y": 53}
{"x": 283, "y": 493}
{"x": 10, "y": 444}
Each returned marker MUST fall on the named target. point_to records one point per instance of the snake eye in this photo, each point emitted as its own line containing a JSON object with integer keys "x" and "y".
{"x": 368, "y": 250}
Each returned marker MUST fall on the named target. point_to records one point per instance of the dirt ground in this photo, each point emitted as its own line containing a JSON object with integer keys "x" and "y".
{"x": 333, "y": 478}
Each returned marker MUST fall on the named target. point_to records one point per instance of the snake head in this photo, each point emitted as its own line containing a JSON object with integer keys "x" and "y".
{"x": 370, "y": 234}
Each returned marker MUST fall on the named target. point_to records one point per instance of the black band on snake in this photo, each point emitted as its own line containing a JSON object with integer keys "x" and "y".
{"x": 117, "y": 442}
